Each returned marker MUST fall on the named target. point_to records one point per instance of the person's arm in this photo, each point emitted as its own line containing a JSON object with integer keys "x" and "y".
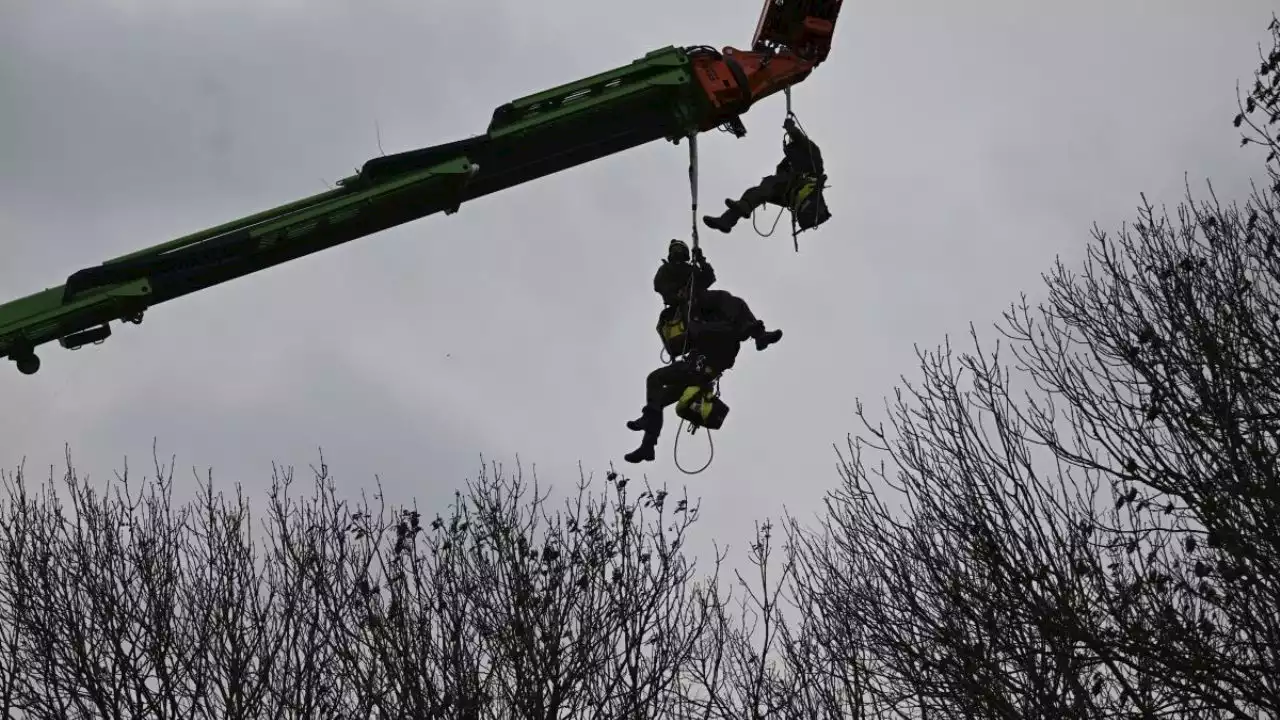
{"x": 803, "y": 154}
{"x": 658, "y": 279}
{"x": 706, "y": 277}
{"x": 706, "y": 273}
{"x": 794, "y": 133}
{"x": 799, "y": 140}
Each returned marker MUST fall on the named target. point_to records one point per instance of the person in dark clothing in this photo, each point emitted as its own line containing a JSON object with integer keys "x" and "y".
{"x": 713, "y": 348}
{"x": 718, "y": 326}
{"x": 672, "y": 282}
{"x": 729, "y": 313}
{"x": 796, "y": 184}
{"x": 674, "y": 273}
{"x": 664, "y": 387}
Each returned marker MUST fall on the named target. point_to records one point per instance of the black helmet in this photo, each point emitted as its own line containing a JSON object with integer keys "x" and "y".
{"x": 678, "y": 251}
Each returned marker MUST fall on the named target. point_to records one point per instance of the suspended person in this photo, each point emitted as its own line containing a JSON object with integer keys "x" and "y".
{"x": 711, "y": 350}
{"x": 701, "y": 350}
{"x": 672, "y": 281}
{"x": 718, "y": 311}
{"x": 796, "y": 184}
{"x": 678, "y": 268}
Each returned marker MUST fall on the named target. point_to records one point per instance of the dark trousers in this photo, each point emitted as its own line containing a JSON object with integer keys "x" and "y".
{"x": 775, "y": 189}
{"x": 735, "y": 311}
{"x": 663, "y": 387}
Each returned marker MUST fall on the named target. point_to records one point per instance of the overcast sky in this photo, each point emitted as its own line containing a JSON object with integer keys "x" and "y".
{"x": 967, "y": 144}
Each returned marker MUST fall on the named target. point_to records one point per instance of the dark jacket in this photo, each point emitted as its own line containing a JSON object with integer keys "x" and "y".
{"x": 716, "y": 342}
{"x": 671, "y": 278}
{"x": 800, "y": 154}
{"x": 715, "y": 331}
{"x": 710, "y": 333}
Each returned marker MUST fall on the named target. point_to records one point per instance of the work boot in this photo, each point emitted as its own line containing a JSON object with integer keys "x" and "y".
{"x": 723, "y": 222}
{"x": 646, "y": 420}
{"x": 644, "y": 453}
{"x": 737, "y": 210}
{"x": 765, "y": 339}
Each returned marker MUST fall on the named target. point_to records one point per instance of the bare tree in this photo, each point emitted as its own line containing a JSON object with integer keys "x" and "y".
{"x": 117, "y": 604}
{"x": 1091, "y": 530}
{"x": 1259, "y": 116}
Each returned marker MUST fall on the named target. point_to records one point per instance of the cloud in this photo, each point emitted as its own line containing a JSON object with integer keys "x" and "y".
{"x": 967, "y": 146}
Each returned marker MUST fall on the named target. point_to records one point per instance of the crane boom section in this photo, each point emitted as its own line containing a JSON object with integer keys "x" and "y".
{"x": 669, "y": 94}
{"x": 528, "y": 138}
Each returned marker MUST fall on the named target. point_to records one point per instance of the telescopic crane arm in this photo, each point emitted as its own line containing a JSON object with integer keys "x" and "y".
{"x": 668, "y": 94}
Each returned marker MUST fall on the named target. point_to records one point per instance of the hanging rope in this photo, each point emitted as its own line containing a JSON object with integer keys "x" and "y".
{"x": 693, "y": 195}
{"x": 693, "y": 182}
{"x": 795, "y": 239}
{"x": 688, "y": 302}
{"x": 676, "y": 454}
{"x": 693, "y": 206}
{"x": 776, "y": 218}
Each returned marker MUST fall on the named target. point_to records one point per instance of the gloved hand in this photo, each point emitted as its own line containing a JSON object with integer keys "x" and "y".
{"x": 697, "y": 255}
{"x": 789, "y": 124}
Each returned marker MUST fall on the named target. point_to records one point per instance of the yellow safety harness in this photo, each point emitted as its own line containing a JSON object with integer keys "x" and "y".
{"x": 808, "y": 184}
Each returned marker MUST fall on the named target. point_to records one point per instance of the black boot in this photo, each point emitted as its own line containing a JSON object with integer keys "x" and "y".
{"x": 741, "y": 207}
{"x": 765, "y": 339}
{"x": 650, "y": 421}
{"x": 737, "y": 210}
{"x": 723, "y": 222}
{"x": 647, "y": 419}
{"x": 644, "y": 453}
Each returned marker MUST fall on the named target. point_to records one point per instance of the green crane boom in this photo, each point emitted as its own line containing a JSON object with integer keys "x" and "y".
{"x": 670, "y": 93}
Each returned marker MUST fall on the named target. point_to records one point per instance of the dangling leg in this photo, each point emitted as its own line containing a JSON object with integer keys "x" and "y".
{"x": 772, "y": 189}
{"x": 746, "y": 321}
{"x": 662, "y": 388}
{"x": 765, "y": 338}
{"x": 652, "y": 420}
{"x": 755, "y": 329}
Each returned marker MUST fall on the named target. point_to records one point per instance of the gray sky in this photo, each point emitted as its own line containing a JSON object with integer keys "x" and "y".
{"x": 967, "y": 144}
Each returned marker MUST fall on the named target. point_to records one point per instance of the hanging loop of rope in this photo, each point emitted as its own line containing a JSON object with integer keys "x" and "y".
{"x": 711, "y": 443}
{"x": 675, "y": 452}
{"x": 774, "y": 227}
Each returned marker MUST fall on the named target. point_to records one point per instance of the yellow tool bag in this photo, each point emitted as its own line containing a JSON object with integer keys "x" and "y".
{"x": 700, "y": 406}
